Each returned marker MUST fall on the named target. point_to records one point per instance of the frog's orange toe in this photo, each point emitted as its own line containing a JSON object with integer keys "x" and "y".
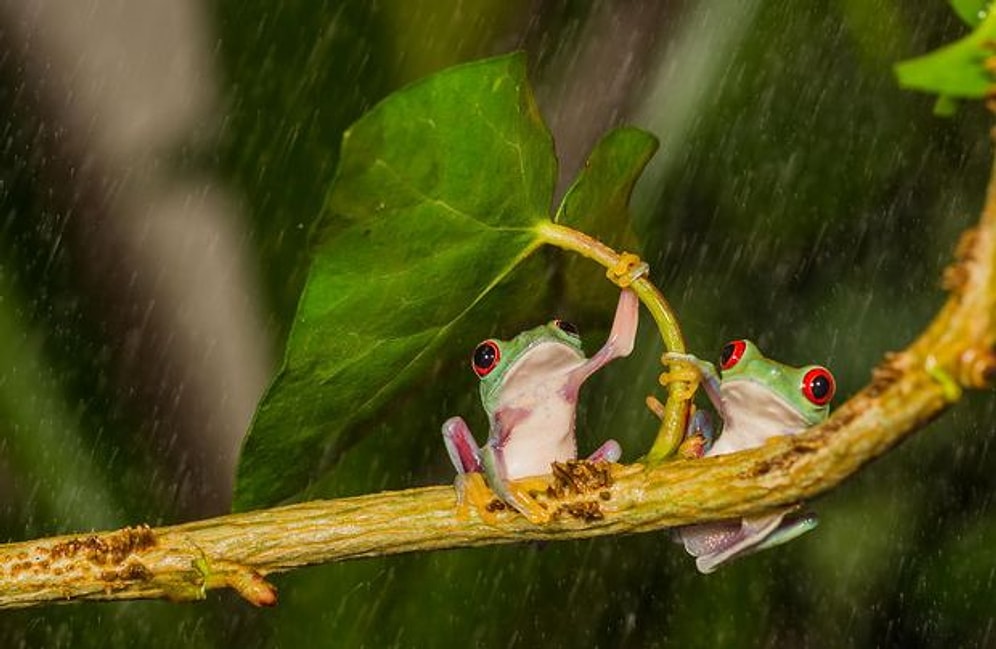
{"x": 655, "y": 406}
{"x": 693, "y": 447}
{"x": 518, "y": 495}
{"x": 473, "y": 491}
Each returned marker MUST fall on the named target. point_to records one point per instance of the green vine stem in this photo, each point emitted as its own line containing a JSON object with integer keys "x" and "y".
{"x": 908, "y": 390}
{"x": 672, "y": 428}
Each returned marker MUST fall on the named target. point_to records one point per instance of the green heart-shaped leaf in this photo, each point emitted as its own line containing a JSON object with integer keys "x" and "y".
{"x": 435, "y": 198}
{"x": 600, "y": 194}
{"x": 597, "y": 204}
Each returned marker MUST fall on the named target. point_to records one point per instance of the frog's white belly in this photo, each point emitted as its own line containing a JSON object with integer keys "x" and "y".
{"x": 754, "y": 414}
{"x": 545, "y": 436}
{"x": 542, "y": 416}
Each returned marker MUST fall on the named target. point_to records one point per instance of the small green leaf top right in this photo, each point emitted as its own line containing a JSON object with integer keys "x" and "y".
{"x": 962, "y": 70}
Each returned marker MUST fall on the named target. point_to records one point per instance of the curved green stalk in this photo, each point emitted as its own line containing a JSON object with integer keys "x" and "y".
{"x": 672, "y": 428}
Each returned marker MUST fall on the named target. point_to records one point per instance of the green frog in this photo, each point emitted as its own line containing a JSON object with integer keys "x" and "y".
{"x": 757, "y": 399}
{"x": 529, "y": 390}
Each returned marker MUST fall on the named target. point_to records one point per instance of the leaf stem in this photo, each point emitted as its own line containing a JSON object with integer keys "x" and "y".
{"x": 574, "y": 240}
{"x": 672, "y": 428}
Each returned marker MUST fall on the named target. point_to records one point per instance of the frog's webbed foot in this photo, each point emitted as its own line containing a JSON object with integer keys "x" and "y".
{"x": 471, "y": 488}
{"x": 627, "y": 270}
{"x": 699, "y": 435}
{"x": 713, "y": 544}
{"x": 518, "y": 494}
{"x": 692, "y": 448}
{"x": 472, "y": 491}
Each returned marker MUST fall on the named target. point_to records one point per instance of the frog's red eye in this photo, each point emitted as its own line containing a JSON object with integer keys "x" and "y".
{"x": 567, "y": 328}
{"x": 731, "y": 354}
{"x": 818, "y": 386}
{"x": 486, "y": 358}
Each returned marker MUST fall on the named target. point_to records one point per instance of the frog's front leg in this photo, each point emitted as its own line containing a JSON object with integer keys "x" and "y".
{"x": 473, "y": 464}
{"x": 699, "y": 435}
{"x": 688, "y": 367}
{"x": 620, "y": 343}
{"x": 466, "y": 457}
{"x": 517, "y": 492}
{"x": 690, "y": 370}
{"x": 512, "y": 491}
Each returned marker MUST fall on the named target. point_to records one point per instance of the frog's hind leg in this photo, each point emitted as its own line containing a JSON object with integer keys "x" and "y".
{"x": 699, "y": 435}
{"x": 713, "y": 544}
{"x": 471, "y": 488}
{"x": 792, "y": 527}
{"x": 461, "y": 446}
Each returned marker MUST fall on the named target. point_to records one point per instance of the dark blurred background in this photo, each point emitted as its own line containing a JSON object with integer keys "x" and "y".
{"x": 165, "y": 161}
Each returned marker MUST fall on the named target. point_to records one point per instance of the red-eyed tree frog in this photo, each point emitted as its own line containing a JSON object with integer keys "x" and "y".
{"x": 529, "y": 389}
{"x": 757, "y": 399}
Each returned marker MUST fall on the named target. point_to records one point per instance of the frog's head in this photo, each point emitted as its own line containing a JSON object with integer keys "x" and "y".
{"x": 532, "y": 355}
{"x": 792, "y": 395}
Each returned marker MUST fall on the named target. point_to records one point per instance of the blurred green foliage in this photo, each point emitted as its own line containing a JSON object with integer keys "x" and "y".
{"x": 959, "y": 70}
{"x": 810, "y": 205}
{"x": 971, "y": 11}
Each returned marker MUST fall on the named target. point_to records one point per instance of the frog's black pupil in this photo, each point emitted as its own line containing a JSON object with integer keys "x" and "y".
{"x": 819, "y": 386}
{"x": 726, "y": 354}
{"x": 484, "y": 356}
{"x": 568, "y": 327}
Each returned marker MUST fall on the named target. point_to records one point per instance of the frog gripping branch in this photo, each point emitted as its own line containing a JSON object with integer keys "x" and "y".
{"x": 402, "y": 171}
{"x": 757, "y": 399}
{"x": 529, "y": 388}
